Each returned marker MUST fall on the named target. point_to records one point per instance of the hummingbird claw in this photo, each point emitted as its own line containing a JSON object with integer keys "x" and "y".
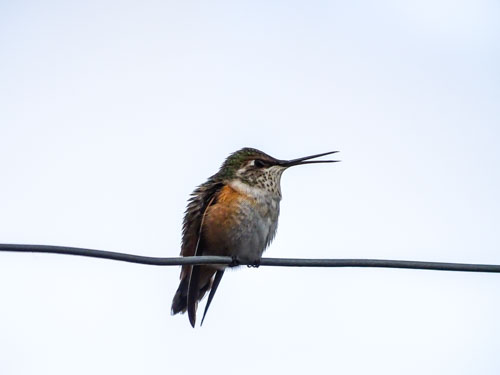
{"x": 235, "y": 262}
{"x": 254, "y": 264}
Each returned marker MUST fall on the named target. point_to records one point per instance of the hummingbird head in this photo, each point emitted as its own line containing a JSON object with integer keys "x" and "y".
{"x": 257, "y": 169}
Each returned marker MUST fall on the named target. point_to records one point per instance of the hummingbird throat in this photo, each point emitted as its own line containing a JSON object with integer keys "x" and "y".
{"x": 260, "y": 182}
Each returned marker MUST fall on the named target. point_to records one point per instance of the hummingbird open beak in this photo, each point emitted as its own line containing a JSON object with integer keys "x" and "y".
{"x": 306, "y": 160}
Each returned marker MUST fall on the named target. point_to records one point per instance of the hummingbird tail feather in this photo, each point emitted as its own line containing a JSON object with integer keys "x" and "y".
{"x": 192, "y": 288}
{"x": 215, "y": 284}
{"x": 193, "y": 294}
{"x": 179, "y": 303}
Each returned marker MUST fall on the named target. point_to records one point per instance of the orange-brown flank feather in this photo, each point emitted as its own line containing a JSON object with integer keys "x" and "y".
{"x": 221, "y": 222}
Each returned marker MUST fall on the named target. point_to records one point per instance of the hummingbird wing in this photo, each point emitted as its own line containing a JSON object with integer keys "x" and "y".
{"x": 201, "y": 199}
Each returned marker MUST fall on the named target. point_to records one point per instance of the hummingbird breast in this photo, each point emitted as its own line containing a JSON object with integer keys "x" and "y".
{"x": 241, "y": 223}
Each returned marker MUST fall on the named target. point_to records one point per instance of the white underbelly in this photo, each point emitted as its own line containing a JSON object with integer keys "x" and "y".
{"x": 256, "y": 234}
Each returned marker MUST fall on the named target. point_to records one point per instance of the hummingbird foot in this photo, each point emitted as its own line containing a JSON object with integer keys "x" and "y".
{"x": 254, "y": 264}
{"x": 235, "y": 261}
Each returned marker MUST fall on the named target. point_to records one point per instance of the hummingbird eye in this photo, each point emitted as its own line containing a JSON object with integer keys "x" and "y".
{"x": 259, "y": 163}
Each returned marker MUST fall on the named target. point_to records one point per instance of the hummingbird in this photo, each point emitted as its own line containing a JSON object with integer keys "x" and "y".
{"x": 235, "y": 214}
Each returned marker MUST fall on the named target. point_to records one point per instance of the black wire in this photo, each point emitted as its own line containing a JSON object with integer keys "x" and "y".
{"x": 282, "y": 262}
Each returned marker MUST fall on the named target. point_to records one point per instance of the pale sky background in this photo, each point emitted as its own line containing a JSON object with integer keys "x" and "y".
{"x": 112, "y": 112}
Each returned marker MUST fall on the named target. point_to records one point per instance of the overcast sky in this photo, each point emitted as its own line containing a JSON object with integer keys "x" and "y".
{"x": 112, "y": 112}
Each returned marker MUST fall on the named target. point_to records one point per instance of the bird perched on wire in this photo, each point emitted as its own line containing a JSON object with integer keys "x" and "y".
{"x": 235, "y": 213}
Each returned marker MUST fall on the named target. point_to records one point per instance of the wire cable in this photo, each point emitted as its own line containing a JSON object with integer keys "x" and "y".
{"x": 279, "y": 262}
